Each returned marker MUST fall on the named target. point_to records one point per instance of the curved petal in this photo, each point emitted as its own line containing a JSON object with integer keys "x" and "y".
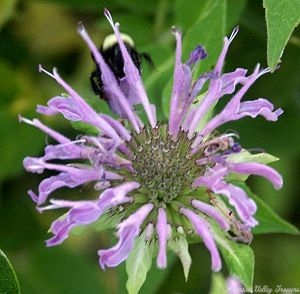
{"x": 253, "y": 168}
{"x": 162, "y": 232}
{"x": 128, "y": 231}
{"x": 202, "y": 228}
{"x": 118, "y": 253}
{"x": 86, "y": 212}
{"x": 212, "y": 212}
{"x": 81, "y": 214}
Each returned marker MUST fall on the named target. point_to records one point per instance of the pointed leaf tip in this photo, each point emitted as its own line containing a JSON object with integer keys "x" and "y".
{"x": 8, "y": 280}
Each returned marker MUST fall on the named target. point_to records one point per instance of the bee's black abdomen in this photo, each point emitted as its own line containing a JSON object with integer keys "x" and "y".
{"x": 96, "y": 82}
{"x": 113, "y": 57}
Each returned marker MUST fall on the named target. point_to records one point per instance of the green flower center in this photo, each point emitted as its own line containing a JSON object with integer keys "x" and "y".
{"x": 163, "y": 165}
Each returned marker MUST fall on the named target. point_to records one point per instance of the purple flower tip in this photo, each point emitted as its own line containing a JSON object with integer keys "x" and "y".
{"x": 197, "y": 54}
{"x": 106, "y": 11}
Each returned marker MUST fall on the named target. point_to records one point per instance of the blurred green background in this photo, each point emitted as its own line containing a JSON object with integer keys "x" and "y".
{"x": 40, "y": 31}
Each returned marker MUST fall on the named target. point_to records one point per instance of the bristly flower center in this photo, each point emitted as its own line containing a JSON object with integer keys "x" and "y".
{"x": 163, "y": 165}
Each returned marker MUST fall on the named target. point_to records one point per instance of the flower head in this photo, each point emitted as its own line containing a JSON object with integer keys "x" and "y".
{"x": 164, "y": 182}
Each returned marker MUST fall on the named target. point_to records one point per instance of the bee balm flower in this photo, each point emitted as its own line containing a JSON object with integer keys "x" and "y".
{"x": 162, "y": 182}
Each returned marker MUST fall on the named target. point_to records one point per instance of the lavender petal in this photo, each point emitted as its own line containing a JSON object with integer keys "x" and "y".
{"x": 128, "y": 231}
{"x": 202, "y": 228}
{"x": 253, "y": 168}
{"x": 212, "y": 212}
{"x": 162, "y": 232}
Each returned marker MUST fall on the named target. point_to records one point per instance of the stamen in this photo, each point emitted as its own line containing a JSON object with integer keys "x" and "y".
{"x": 41, "y": 69}
{"x": 264, "y": 71}
{"x": 108, "y": 16}
{"x": 233, "y": 34}
{"x": 26, "y": 120}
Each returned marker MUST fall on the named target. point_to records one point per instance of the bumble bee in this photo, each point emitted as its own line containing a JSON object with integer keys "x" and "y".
{"x": 112, "y": 55}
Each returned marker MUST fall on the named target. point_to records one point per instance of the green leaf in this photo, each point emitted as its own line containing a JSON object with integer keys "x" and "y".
{"x": 138, "y": 264}
{"x": 239, "y": 258}
{"x": 282, "y": 17}
{"x": 62, "y": 270}
{"x": 17, "y": 141}
{"x": 7, "y": 8}
{"x": 218, "y": 284}
{"x": 246, "y": 156}
{"x": 234, "y": 9}
{"x": 269, "y": 221}
{"x": 181, "y": 248}
{"x": 8, "y": 89}
{"x": 8, "y": 280}
{"x": 85, "y": 128}
{"x": 156, "y": 277}
{"x": 187, "y": 13}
